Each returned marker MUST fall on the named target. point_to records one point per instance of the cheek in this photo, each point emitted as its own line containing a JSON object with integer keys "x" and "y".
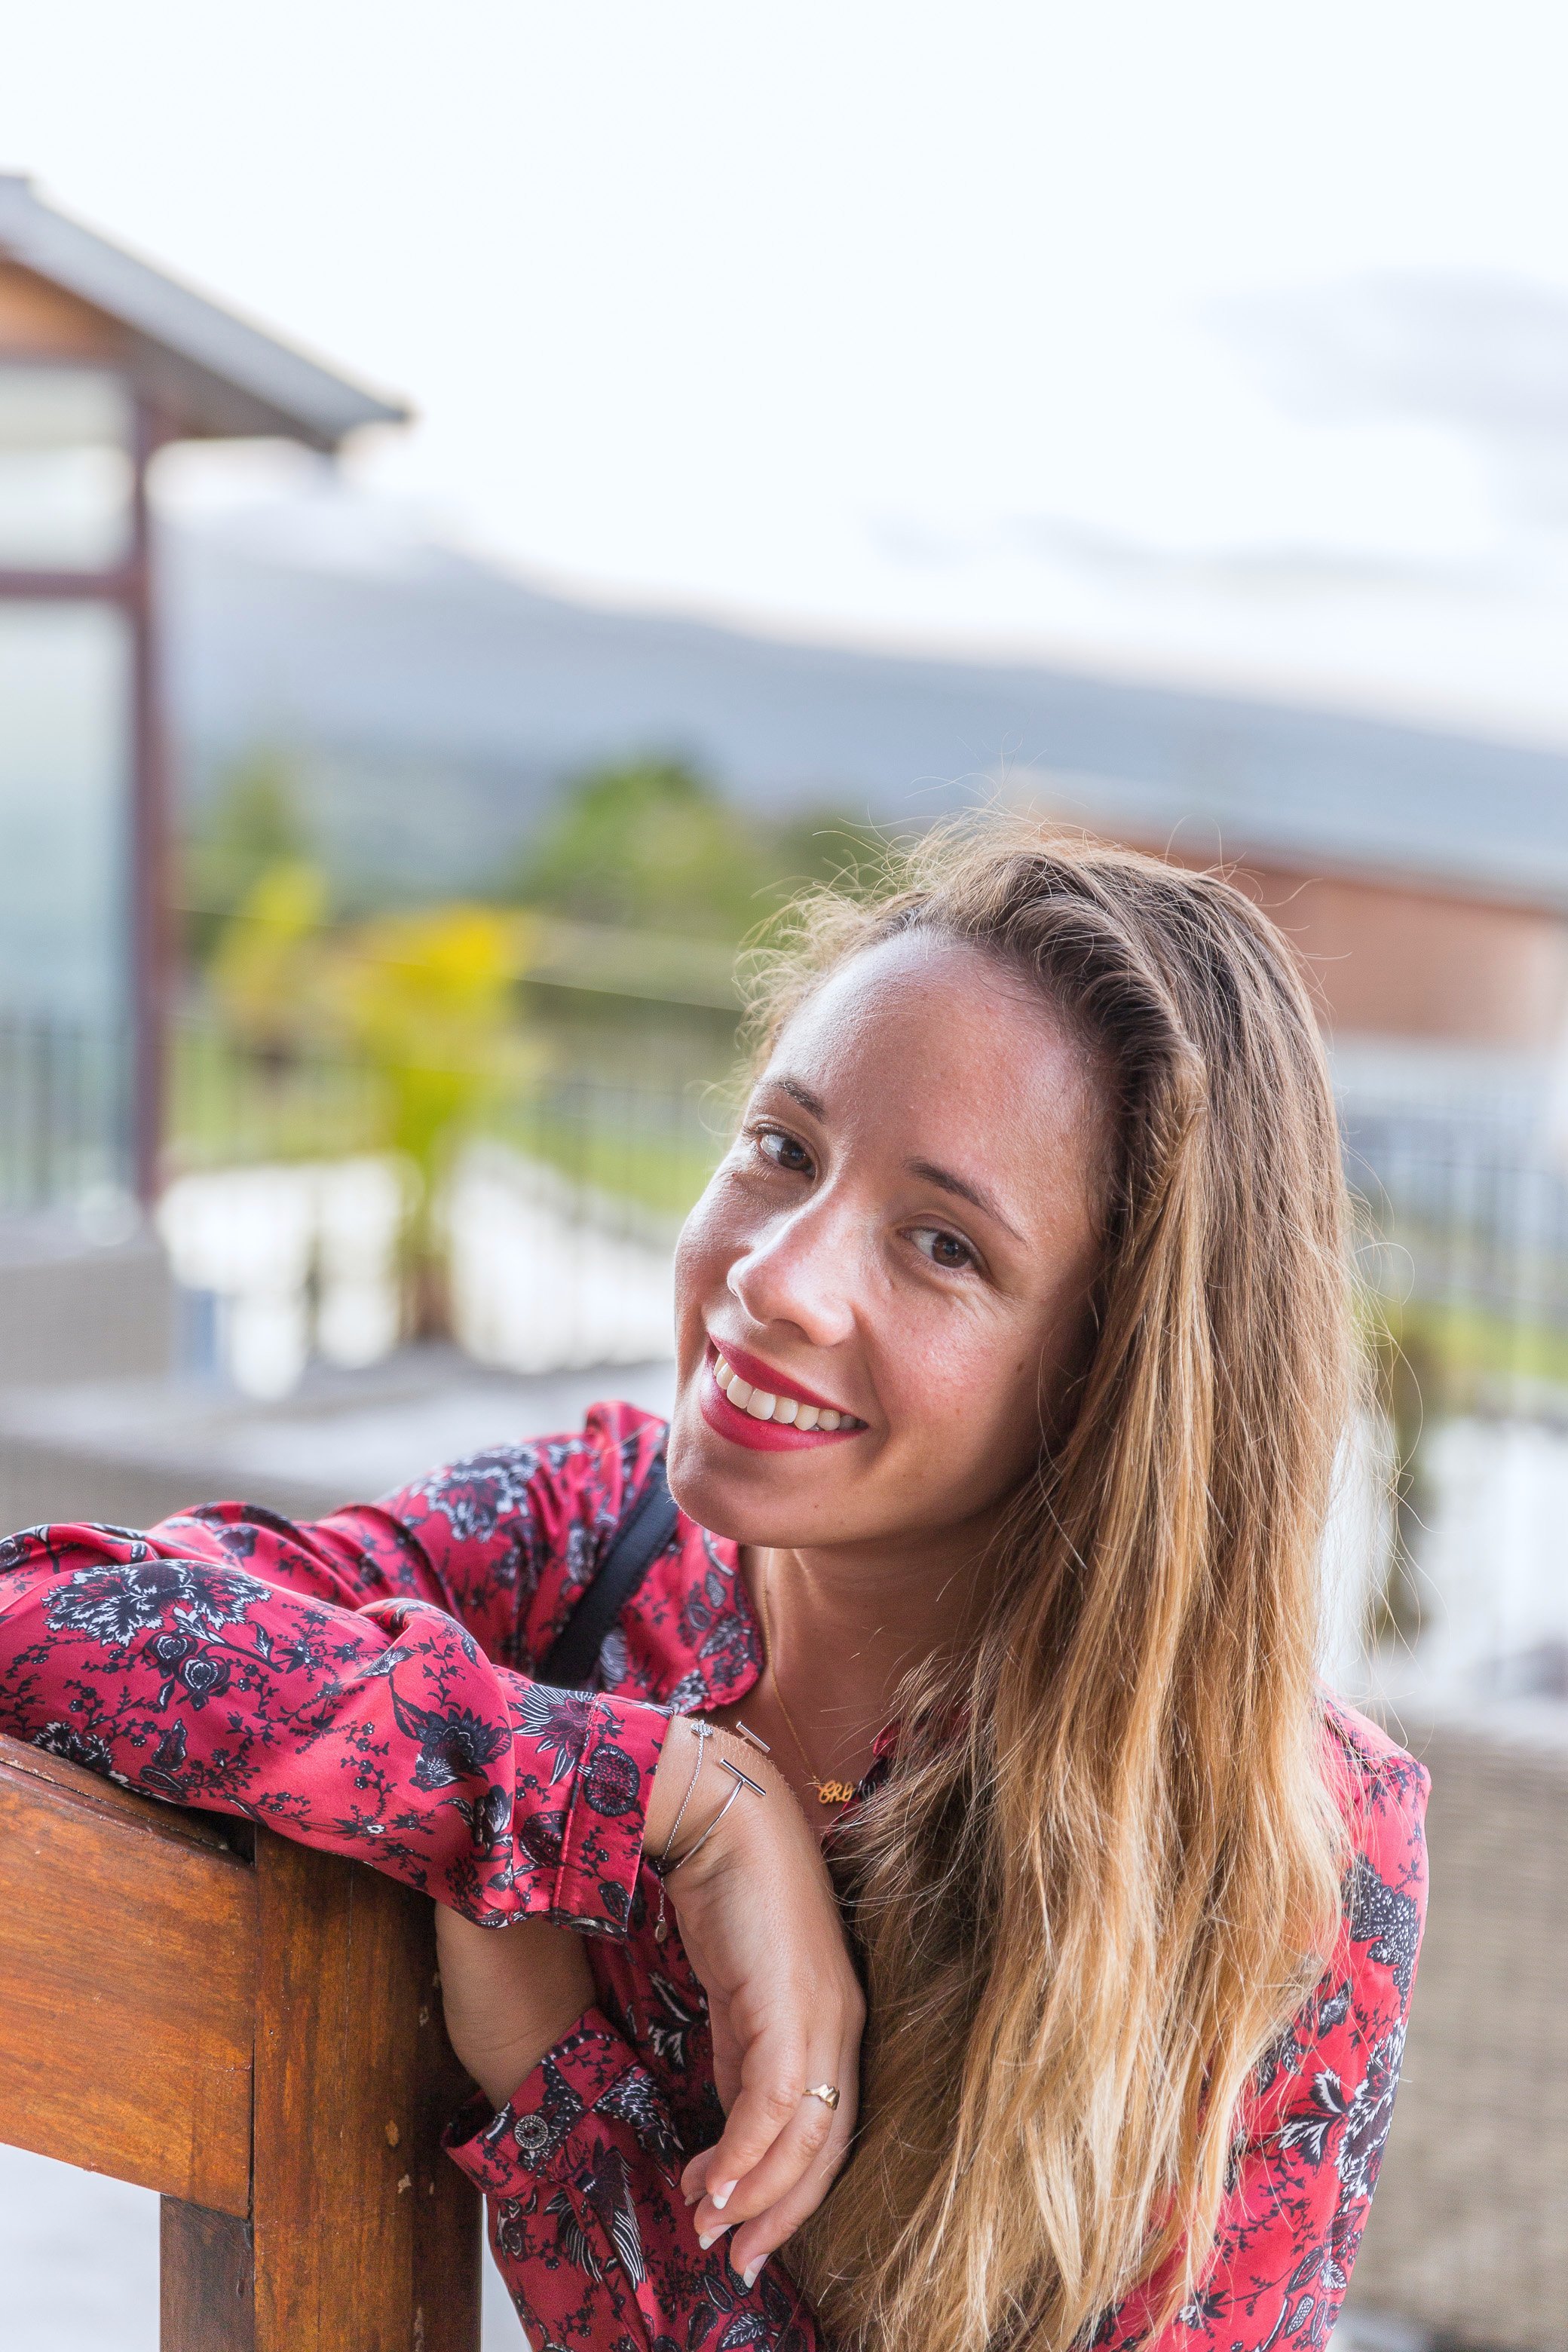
{"x": 972, "y": 1390}
{"x": 703, "y": 1255}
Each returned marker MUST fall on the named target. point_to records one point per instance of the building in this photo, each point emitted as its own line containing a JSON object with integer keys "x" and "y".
{"x": 103, "y": 361}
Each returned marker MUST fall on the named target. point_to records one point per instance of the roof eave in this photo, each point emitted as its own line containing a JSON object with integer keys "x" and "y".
{"x": 214, "y": 374}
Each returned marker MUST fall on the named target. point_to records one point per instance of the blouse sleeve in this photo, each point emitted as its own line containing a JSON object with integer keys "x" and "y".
{"x": 324, "y": 1679}
{"x": 590, "y": 2229}
{"x": 1314, "y": 2134}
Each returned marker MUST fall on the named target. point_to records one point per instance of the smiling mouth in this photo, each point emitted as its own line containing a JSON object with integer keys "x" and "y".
{"x": 746, "y": 1400}
{"x": 767, "y": 1405}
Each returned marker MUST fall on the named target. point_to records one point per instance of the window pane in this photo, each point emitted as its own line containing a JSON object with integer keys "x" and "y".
{"x": 65, "y": 777}
{"x": 65, "y": 773}
{"x": 65, "y": 468}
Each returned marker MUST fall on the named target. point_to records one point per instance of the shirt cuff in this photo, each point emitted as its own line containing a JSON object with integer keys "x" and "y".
{"x": 606, "y": 1801}
{"x": 590, "y": 2071}
{"x": 583, "y": 1768}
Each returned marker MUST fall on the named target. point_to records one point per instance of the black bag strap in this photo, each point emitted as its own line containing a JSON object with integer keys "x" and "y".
{"x": 642, "y": 1535}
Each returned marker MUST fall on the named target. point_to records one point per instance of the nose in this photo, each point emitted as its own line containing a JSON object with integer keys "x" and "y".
{"x": 801, "y": 1272}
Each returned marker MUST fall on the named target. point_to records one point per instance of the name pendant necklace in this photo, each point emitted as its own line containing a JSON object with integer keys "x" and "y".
{"x": 829, "y": 1792}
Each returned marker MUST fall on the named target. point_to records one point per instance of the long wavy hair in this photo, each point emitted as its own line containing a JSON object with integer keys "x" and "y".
{"x": 1086, "y": 1913}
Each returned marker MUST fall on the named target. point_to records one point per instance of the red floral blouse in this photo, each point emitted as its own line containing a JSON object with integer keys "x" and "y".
{"x": 363, "y": 1685}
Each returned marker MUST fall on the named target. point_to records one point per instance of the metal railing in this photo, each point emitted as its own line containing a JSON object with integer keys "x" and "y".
{"x": 65, "y": 1110}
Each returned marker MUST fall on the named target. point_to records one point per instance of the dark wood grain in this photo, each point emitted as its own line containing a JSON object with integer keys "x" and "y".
{"x": 206, "y": 2295}
{"x": 348, "y": 2086}
{"x": 127, "y": 1984}
{"x": 448, "y": 2213}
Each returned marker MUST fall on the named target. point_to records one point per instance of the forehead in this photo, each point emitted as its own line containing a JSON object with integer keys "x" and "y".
{"x": 935, "y": 1043}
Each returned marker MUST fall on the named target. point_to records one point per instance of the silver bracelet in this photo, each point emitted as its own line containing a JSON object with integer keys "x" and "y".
{"x": 686, "y": 1857}
{"x": 664, "y": 1868}
{"x": 704, "y": 1731}
{"x": 660, "y": 1867}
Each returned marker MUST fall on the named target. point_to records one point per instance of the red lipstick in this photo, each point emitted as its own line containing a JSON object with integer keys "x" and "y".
{"x": 764, "y": 1437}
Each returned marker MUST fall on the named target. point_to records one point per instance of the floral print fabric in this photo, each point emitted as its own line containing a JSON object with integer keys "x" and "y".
{"x": 363, "y": 1685}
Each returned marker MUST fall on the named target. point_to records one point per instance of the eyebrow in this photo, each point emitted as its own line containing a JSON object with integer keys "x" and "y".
{"x": 803, "y": 1095}
{"x": 946, "y": 1182}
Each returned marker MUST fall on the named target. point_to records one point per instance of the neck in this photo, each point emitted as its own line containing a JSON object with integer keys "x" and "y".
{"x": 846, "y": 1623}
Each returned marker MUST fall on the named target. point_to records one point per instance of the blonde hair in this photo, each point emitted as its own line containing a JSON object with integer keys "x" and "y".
{"x": 1085, "y": 1917}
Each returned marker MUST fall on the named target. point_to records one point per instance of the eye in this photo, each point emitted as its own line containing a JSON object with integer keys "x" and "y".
{"x": 943, "y": 1249}
{"x": 785, "y": 1150}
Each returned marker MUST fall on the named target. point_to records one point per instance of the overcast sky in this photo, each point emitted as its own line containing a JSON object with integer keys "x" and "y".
{"x": 1226, "y": 336}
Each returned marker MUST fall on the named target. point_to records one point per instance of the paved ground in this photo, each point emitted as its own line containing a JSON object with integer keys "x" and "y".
{"x": 79, "y": 2264}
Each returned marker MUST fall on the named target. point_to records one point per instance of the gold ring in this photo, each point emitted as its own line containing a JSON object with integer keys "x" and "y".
{"x": 826, "y": 2092}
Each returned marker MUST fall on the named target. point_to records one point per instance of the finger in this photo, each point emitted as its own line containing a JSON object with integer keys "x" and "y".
{"x": 754, "y": 2240}
{"x": 771, "y": 2078}
{"x": 797, "y": 2156}
{"x": 794, "y": 2153}
{"x": 768, "y": 2228}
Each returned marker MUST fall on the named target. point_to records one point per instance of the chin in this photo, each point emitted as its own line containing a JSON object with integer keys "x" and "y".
{"x": 733, "y": 1493}
{"x": 712, "y": 1492}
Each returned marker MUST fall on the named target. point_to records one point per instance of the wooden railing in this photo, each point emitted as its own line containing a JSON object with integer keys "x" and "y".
{"x": 253, "y": 2031}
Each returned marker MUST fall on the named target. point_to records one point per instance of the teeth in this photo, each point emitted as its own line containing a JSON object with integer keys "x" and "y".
{"x": 789, "y": 1410}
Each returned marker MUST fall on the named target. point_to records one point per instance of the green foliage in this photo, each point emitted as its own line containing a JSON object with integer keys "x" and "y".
{"x": 426, "y": 1001}
{"x": 650, "y": 844}
{"x": 265, "y": 961}
{"x": 254, "y": 822}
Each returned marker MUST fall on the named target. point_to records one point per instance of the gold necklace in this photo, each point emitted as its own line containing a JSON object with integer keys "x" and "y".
{"x": 829, "y": 1792}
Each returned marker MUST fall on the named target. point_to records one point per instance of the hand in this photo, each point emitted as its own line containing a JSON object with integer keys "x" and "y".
{"x": 510, "y": 1994}
{"x": 760, "y": 1927}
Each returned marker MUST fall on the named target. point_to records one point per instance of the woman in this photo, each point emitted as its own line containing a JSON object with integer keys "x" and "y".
{"x": 1013, "y": 1358}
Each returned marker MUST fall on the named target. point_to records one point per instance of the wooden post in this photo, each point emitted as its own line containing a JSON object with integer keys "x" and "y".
{"x": 364, "y": 2232}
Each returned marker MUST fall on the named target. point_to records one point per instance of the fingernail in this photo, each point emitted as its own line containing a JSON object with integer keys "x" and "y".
{"x": 693, "y": 2195}
{"x": 749, "y": 2275}
{"x": 706, "y": 2241}
{"x": 720, "y": 2195}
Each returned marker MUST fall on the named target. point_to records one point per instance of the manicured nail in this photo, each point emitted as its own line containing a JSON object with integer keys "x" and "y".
{"x": 720, "y": 2195}
{"x": 693, "y": 2195}
{"x": 706, "y": 2241}
{"x": 749, "y": 2275}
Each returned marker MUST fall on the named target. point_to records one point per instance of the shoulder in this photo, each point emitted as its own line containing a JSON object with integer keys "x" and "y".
{"x": 515, "y": 1532}
{"x": 550, "y": 1481}
{"x": 1380, "y": 1788}
{"x": 1382, "y": 1793}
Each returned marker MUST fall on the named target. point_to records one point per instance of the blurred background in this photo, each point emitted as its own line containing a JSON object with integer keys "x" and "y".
{"x": 490, "y": 504}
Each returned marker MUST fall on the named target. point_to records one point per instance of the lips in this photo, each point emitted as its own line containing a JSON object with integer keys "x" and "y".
{"x": 748, "y": 1377}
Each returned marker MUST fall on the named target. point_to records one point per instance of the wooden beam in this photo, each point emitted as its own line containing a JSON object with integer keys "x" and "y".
{"x": 127, "y": 1984}
{"x": 257, "y": 2034}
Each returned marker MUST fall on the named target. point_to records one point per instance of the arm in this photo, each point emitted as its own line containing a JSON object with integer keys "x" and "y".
{"x": 381, "y": 1732}
{"x": 385, "y": 1734}
{"x": 759, "y": 1922}
{"x": 587, "y": 2220}
{"x": 581, "y": 2168}
{"x": 1291, "y": 2226}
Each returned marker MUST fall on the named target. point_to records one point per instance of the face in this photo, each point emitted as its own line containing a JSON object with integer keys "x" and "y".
{"x": 902, "y": 1235}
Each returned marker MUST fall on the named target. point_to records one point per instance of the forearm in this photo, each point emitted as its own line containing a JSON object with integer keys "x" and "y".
{"x": 382, "y": 1733}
